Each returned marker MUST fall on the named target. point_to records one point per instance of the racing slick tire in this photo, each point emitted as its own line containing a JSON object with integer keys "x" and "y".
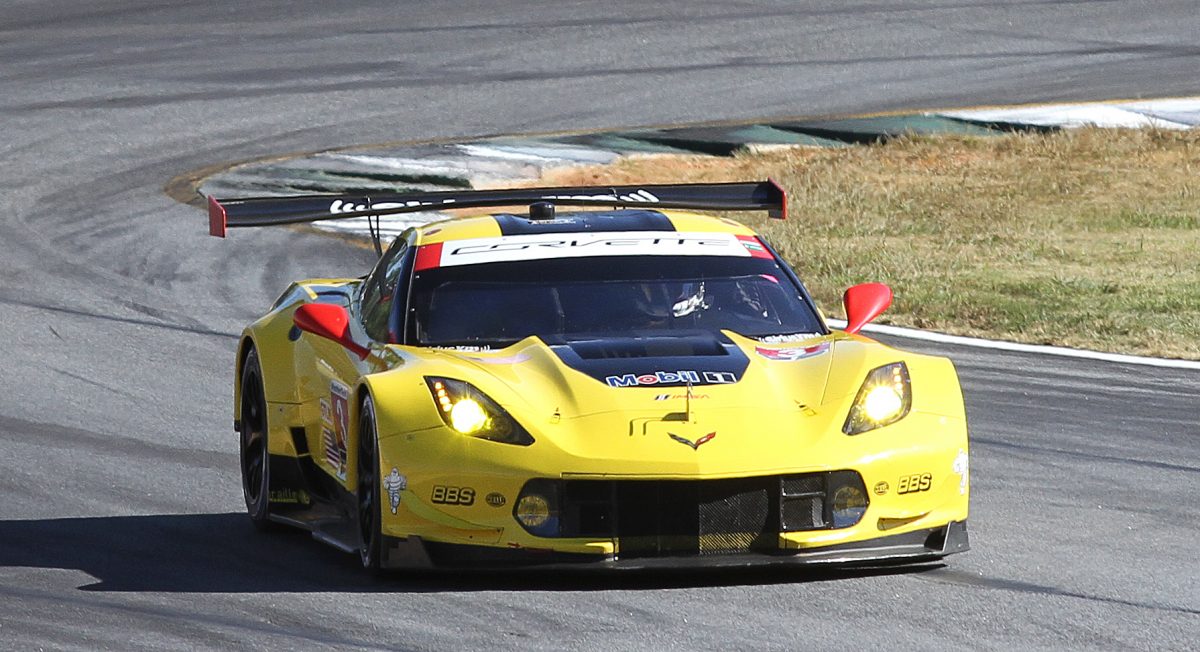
{"x": 370, "y": 537}
{"x": 255, "y": 459}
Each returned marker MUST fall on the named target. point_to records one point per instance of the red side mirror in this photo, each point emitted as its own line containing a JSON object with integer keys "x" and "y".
{"x": 329, "y": 321}
{"x": 865, "y": 302}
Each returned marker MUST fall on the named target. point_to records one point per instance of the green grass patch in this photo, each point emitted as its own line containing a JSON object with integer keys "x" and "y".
{"x": 1086, "y": 238}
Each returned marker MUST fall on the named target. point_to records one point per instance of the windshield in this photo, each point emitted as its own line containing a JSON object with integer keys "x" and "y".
{"x": 496, "y": 304}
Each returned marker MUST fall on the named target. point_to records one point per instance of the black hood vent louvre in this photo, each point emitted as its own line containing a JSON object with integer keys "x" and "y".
{"x": 648, "y": 347}
{"x": 688, "y": 358}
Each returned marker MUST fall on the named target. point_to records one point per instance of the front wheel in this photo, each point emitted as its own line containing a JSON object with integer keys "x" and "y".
{"x": 370, "y": 537}
{"x": 255, "y": 458}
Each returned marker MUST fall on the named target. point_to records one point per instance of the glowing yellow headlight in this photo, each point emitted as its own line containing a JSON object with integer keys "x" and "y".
{"x": 468, "y": 411}
{"x": 467, "y": 416}
{"x": 882, "y": 403}
{"x": 884, "y": 398}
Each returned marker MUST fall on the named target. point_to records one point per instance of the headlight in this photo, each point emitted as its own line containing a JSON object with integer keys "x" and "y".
{"x": 467, "y": 416}
{"x": 469, "y": 411}
{"x": 885, "y": 397}
{"x": 848, "y": 505}
{"x": 537, "y": 508}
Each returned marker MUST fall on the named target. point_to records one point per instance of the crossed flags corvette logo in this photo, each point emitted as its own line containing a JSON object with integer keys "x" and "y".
{"x": 696, "y": 444}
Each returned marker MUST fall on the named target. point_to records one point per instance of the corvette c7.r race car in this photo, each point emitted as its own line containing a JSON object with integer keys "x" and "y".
{"x": 638, "y": 386}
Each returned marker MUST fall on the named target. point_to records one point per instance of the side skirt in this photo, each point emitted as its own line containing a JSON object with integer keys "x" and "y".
{"x": 304, "y": 497}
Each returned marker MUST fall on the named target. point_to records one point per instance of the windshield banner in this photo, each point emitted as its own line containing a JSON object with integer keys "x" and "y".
{"x": 578, "y": 245}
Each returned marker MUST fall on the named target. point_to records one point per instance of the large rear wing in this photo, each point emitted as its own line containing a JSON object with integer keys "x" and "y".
{"x": 270, "y": 211}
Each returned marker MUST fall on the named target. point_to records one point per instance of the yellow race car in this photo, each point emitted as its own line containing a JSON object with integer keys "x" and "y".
{"x": 637, "y": 386}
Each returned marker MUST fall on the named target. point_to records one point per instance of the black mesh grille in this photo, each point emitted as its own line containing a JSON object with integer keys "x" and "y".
{"x": 694, "y": 518}
{"x": 670, "y": 518}
{"x": 802, "y": 504}
{"x": 803, "y": 514}
{"x": 796, "y": 485}
{"x": 652, "y": 518}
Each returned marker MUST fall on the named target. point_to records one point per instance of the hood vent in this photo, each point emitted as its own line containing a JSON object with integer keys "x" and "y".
{"x": 686, "y": 358}
{"x": 648, "y": 347}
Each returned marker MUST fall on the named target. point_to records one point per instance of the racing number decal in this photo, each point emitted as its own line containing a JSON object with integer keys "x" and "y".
{"x": 911, "y": 484}
{"x": 444, "y": 495}
{"x": 336, "y": 434}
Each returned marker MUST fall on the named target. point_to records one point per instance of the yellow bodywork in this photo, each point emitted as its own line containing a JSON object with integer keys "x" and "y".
{"x": 782, "y": 417}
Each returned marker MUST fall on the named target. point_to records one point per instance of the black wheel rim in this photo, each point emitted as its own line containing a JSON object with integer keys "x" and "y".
{"x": 368, "y": 483}
{"x": 254, "y": 454}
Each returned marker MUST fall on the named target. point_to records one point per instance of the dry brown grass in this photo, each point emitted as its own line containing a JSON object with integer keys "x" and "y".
{"x": 1087, "y": 238}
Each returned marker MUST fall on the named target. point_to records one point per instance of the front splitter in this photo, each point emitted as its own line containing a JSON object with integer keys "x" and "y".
{"x": 916, "y": 547}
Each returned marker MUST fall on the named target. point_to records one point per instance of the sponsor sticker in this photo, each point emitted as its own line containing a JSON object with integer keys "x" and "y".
{"x": 507, "y": 248}
{"x": 680, "y": 397}
{"x": 881, "y": 488}
{"x": 961, "y": 467}
{"x": 326, "y": 412}
{"x": 754, "y": 246}
{"x": 495, "y": 499}
{"x": 393, "y": 484}
{"x": 787, "y": 337}
{"x": 290, "y": 496}
{"x": 465, "y": 348}
{"x": 792, "y": 354}
{"x": 335, "y": 434}
{"x": 917, "y": 482}
{"x": 445, "y": 495}
{"x": 672, "y": 378}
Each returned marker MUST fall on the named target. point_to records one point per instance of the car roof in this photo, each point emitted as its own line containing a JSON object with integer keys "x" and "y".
{"x": 502, "y": 224}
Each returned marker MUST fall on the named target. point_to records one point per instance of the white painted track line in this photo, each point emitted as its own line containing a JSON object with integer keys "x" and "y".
{"x": 1062, "y": 351}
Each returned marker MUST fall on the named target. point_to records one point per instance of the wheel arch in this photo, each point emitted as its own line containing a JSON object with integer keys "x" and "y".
{"x": 362, "y": 393}
{"x": 244, "y": 347}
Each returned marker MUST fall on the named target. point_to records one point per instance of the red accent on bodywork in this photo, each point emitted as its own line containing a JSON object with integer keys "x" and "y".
{"x": 781, "y": 214}
{"x": 705, "y": 439}
{"x": 216, "y": 218}
{"x": 755, "y": 246}
{"x": 865, "y": 302}
{"x": 428, "y": 257}
{"x": 791, "y": 354}
{"x": 331, "y": 322}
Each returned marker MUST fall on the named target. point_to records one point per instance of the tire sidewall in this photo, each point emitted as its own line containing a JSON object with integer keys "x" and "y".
{"x": 370, "y": 536}
{"x": 252, "y": 375}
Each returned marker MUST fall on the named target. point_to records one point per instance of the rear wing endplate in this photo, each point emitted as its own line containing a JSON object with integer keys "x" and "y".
{"x": 270, "y": 211}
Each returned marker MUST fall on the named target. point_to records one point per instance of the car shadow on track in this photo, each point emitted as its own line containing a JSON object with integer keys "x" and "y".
{"x": 223, "y": 553}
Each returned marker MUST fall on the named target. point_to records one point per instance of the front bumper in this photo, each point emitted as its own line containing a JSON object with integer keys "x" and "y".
{"x": 649, "y": 497}
{"x": 914, "y": 547}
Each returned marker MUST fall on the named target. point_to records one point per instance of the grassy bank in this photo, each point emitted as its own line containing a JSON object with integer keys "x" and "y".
{"x": 1087, "y": 238}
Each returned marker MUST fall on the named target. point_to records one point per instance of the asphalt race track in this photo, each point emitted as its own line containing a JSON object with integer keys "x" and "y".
{"x": 120, "y": 520}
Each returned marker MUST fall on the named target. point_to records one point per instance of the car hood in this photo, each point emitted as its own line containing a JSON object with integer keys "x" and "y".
{"x": 618, "y": 407}
{"x": 579, "y": 378}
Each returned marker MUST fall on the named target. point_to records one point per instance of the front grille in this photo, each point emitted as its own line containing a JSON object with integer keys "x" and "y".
{"x": 657, "y": 518}
{"x": 694, "y": 517}
{"x": 802, "y": 502}
{"x": 675, "y": 517}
